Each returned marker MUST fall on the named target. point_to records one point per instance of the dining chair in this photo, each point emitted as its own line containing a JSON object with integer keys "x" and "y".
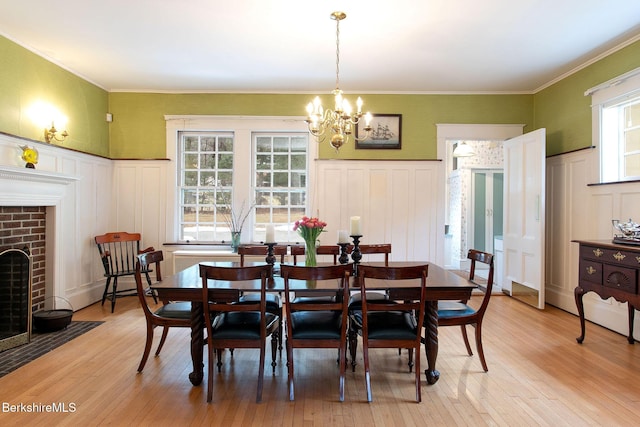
{"x": 171, "y": 315}
{"x": 379, "y": 248}
{"x": 274, "y": 302}
{"x": 316, "y": 324}
{"x": 232, "y": 325}
{"x": 459, "y": 313}
{"x": 395, "y": 322}
{"x": 118, "y": 252}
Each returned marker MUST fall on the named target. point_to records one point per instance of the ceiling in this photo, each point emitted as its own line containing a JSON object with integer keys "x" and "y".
{"x": 400, "y": 46}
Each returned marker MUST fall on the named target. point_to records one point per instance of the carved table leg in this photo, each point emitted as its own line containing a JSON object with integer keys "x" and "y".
{"x": 632, "y": 310}
{"x": 431, "y": 341}
{"x": 197, "y": 342}
{"x": 579, "y": 292}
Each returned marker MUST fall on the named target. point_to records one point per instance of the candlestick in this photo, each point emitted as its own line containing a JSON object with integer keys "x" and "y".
{"x": 343, "y": 237}
{"x": 356, "y": 254}
{"x": 270, "y": 235}
{"x": 271, "y": 258}
{"x": 344, "y": 257}
{"x": 355, "y": 226}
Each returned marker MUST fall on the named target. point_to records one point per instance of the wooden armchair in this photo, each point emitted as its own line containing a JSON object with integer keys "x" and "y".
{"x": 118, "y": 252}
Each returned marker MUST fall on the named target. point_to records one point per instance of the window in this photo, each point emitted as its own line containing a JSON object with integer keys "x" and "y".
{"x": 616, "y": 127}
{"x": 621, "y": 141}
{"x": 261, "y": 163}
{"x": 205, "y": 185}
{"x": 280, "y": 181}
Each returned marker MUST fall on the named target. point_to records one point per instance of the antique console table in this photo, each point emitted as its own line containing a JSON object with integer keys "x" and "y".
{"x": 609, "y": 270}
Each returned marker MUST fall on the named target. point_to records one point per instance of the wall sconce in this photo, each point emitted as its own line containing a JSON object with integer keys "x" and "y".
{"x": 463, "y": 150}
{"x": 52, "y": 134}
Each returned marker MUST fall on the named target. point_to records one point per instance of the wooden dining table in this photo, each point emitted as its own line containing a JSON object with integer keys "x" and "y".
{"x": 186, "y": 285}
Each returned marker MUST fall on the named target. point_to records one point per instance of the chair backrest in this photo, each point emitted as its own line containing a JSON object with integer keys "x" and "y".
{"x": 118, "y": 252}
{"x": 383, "y": 248}
{"x": 333, "y": 250}
{"x": 244, "y": 250}
{"x": 330, "y": 272}
{"x": 485, "y": 258}
{"x": 219, "y": 299}
{"x": 143, "y": 263}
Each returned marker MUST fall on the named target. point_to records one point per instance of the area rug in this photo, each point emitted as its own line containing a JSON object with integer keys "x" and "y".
{"x": 41, "y": 343}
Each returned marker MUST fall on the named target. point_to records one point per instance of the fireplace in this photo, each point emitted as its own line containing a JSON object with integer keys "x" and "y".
{"x": 15, "y": 298}
{"x": 30, "y": 202}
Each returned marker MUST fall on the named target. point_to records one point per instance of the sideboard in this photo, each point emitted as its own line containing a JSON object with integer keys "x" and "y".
{"x": 611, "y": 271}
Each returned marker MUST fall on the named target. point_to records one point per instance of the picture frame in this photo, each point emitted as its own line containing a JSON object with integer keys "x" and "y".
{"x": 386, "y": 132}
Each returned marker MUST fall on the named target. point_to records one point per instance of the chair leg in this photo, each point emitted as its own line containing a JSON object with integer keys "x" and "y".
{"x": 353, "y": 346}
{"x": 219, "y": 352}
{"x": 466, "y": 339}
{"x": 147, "y": 347}
{"x": 418, "y": 388}
{"x": 261, "y": 372}
{"x": 274, "y": 350}
{"x": 209, "y": 370}
{"x": 106, "y": 290}
{"x": 165, "y": 332}
{"x": 113, "y": 293}
{"x": 290, "y": 369}
{"x": 410, "y": 350}
{"x": 479, "y": 346}
{"x": 367, "y": 375}
{"x": 343, "y": 368}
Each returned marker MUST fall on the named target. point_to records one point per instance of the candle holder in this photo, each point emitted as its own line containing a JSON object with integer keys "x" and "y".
{"x": 344, "y": 257}
{"x": 271, "y": 258}
{"x": 356, "y": 254}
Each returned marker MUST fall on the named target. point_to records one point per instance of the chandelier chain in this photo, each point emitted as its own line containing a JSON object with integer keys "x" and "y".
{"x": 337, "y": 54}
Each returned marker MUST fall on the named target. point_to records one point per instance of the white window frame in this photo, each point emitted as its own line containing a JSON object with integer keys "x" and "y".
{"x": 243, "y": 128}
{"x": 612, "y": 92}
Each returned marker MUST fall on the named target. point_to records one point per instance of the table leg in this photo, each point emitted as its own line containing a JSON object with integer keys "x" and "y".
{"x": 632, "y": 311}
{"x": 197, "y": 342}
{"x": 579, "y": 292}
{"x": 431, "y": 341}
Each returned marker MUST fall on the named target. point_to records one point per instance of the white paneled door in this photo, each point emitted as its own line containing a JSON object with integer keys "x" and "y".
{"x": 524, "y": 217}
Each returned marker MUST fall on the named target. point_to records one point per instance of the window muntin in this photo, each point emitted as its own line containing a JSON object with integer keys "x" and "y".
{"x": 280, "y": 182}
{"x": 205, "y": 185}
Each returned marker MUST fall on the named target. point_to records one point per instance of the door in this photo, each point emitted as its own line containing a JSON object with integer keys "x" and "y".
{"x": 524, "y": 214}
{"x": 487, "y": 208}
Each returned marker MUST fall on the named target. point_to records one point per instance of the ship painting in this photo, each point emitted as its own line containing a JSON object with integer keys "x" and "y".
{"x": 381, "y": 133}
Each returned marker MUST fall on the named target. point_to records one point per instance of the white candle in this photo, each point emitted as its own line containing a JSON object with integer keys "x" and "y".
{"x": 355, "y": 226}
{"x": 343, "y": 237}
{"x": 270, "y": 236}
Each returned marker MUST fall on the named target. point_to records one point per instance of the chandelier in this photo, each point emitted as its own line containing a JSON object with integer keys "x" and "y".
{"x": 339, "y": 124}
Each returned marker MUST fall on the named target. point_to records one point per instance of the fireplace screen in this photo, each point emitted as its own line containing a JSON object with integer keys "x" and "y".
{"x": 15, "y": 298}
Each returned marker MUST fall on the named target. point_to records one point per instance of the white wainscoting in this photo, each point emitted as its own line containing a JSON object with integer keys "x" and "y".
{"x": 73, "y": 267}
{"x": 578, "y": 211}
{"x": 396, "y": 200}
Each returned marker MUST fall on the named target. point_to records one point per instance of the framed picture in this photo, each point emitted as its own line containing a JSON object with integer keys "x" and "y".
{"x": 386, "y": 132}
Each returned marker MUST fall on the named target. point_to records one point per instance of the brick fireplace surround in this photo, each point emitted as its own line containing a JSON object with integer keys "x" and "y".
{"x": 22, "y": 226}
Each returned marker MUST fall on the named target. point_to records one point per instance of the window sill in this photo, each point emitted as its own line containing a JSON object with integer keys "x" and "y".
{"x": 614, "y": 182}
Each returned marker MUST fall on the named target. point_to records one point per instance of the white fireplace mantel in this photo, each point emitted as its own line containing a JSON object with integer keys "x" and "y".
{"x": 31, "y": 187}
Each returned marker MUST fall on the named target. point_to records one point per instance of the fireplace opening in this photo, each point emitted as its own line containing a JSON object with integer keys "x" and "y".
{"x": 15, "y": 298}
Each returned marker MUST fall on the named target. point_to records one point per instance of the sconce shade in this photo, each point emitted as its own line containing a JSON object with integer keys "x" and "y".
{"x": 463, "y": 150}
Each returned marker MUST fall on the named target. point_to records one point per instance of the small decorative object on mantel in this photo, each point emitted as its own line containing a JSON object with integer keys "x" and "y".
{"x": 309, "y": 229}
{"x": 30, "y": 156}
{"x": 630, "y": 232}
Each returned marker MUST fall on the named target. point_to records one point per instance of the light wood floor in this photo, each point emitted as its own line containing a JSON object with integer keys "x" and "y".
{"x": 538, "y": 375}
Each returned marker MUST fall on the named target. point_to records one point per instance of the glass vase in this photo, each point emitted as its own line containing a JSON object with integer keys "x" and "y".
{"x": 310, "y": 253}
{"x": 235, "y": 241}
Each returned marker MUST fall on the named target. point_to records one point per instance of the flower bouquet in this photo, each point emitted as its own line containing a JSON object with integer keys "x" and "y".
{"x": 309, "y": 229}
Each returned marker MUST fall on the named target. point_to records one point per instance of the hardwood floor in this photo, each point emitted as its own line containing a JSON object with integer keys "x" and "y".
{"x": 538, "y": 375}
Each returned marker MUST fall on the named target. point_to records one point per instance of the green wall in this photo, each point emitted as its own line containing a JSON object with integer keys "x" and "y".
{"x": 138, "y": 128}
{"x": 26, "y": 78}
{"x": 563, "y": 109}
